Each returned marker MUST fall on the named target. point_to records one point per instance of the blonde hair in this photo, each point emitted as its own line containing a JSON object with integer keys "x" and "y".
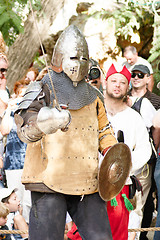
{"x": 4, "y": 57}
{"x": 4, "y": 210}
{"x": 3, "y": 47}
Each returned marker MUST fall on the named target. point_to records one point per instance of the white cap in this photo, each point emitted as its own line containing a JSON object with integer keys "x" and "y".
{"x": 6, "y": 192}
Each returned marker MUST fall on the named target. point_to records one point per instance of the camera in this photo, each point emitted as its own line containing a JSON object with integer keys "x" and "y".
{"x": 94, "y": 73}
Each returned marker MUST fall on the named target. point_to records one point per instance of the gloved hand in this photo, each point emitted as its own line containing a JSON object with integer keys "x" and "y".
{"x": 30, "y": 131}
{"x": 49, "y": 120}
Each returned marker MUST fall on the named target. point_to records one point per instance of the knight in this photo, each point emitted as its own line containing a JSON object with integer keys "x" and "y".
{"x": 64, "y": 122}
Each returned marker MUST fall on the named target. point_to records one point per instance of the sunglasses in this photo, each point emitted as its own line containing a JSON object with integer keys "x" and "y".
{"x": 3, "y": 70}
{"x": 139, "y": 75}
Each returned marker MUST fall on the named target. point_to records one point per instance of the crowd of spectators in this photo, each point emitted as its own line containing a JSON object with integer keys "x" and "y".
{"x": 119, "y": 99}
{"x": 12, "y": 154}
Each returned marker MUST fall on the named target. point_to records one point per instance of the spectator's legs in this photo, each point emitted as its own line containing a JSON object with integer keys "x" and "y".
{"x": 157, "y": 179}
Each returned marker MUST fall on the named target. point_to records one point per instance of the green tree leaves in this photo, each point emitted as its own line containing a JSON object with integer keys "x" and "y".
{"x": 12, "y": 16}
{"x": 129, "y": 16}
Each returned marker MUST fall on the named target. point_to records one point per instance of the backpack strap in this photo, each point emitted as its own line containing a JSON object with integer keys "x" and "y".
{"x": 137, "y": 105}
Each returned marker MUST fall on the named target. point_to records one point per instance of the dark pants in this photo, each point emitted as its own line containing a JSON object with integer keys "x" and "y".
{"x": 48, "y": 215}
{"x": 149, "y": 206}
{"x": 148, "y": 212}
{"x": 157, "y": 179}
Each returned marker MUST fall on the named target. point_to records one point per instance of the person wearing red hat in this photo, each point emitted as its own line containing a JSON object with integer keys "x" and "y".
{"x": 129, "y": 128}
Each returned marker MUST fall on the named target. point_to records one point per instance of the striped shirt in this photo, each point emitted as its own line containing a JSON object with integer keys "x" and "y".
{"x": 153, "y": 98}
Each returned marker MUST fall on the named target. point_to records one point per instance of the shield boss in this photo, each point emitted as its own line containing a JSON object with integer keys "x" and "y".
{"x": 114, "y": 171}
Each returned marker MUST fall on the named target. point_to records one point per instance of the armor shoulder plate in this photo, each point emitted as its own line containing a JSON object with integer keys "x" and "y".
{"x": 31, "y": 93}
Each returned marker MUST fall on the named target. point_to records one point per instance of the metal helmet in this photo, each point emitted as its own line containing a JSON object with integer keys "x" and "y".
{"x": 71, "y": 54}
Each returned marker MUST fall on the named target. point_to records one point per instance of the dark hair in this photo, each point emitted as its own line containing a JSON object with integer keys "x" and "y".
{"x": 6, "y": 199}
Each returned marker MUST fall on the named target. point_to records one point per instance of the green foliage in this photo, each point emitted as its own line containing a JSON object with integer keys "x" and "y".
{"x": 12, "y": 16}
{"x": 40, "y": 62}
{"x": 156, "y": 76}
{"x": 155, "y": 54}
{"x": 133, "y": 17}
{"x": 129, "y": 17}
{"x": 155, "y": 50}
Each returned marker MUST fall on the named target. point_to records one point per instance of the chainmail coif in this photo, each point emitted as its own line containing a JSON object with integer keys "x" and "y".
{"x": 74, "y": 97}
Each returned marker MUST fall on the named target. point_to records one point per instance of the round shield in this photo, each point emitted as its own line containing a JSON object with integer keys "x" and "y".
{"x": 114, "y": 171}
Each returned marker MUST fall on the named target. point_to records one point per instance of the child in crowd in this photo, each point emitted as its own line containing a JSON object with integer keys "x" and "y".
{"x": 68, "y": 226}
{"x": 4, "y": 211}
{"x": 15, "y": 219}
{"x": 134, "y": 222}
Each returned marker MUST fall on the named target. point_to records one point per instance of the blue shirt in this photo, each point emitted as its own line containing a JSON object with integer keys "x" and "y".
{"x": 15, "y": 150}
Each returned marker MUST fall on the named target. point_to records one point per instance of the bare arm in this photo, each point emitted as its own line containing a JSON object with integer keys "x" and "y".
{"x": 7, "y": 123}
{"x": 132, "y": 236}
{"x": 156, "y": 120}
{"x": 3, "y": 104}
{"x": 20, "y": 224}
{"x": 150, "y": 84}
{"x": 156, "y": 137}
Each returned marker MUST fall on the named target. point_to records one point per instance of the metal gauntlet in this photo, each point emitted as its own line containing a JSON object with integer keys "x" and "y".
{"x": 49, "y": 120}
{"x": 29, "y": 132}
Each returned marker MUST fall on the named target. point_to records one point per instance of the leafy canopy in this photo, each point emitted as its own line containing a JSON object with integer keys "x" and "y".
{"x": 129, "y": 16}
{"x": 132, "y": 17}
{"x": 12, "y": 17}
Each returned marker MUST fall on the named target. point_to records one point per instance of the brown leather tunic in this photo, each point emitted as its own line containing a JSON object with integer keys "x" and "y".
{"x": 67, "y": 162}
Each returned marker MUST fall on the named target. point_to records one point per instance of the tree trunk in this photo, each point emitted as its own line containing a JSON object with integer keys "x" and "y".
{"x": 22, "y": 52}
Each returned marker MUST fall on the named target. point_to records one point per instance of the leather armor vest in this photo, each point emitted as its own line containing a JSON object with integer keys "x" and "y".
{"x": 67, "y": 162}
